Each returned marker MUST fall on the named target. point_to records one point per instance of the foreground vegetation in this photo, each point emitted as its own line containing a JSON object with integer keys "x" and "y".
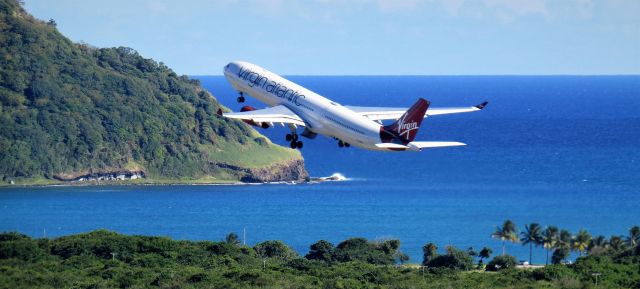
{"x": 104, "y": 259}
{"x": 69, "y": 109}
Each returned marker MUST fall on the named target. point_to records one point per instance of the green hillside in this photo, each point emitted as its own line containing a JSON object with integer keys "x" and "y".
{"x": 69, "y": 109}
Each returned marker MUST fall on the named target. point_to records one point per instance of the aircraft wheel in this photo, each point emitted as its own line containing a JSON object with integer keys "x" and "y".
{"x": 347, "y": 144}
{"x": 340, "y": 143}
{"x": 293, "y": 144}
{"x": 288, "y": 137}
{"x": 241, "y": 99}
{"x": 299, "y": 144}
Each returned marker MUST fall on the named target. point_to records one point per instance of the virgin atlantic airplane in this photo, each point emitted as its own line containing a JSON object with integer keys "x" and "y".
{"x": 294, "y": 105}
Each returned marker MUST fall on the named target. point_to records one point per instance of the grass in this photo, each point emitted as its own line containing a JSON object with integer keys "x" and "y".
{"x": 252, "y": 155}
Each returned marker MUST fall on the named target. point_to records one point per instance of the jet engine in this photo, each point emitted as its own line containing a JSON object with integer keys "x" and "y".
{"x": 251, "y": 122}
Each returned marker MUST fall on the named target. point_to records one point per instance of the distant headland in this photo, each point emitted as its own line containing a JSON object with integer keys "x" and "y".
{"x": 76, "y": 113}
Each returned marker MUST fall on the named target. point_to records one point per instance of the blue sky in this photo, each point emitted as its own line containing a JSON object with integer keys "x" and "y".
{"x": 386, "y": 37}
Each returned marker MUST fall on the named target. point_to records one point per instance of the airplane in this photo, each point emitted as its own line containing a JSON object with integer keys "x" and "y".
{"x": 293, "y": 105}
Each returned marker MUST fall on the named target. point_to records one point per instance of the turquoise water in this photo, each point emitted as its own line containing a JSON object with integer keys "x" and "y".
{"x": 559, "y": 151}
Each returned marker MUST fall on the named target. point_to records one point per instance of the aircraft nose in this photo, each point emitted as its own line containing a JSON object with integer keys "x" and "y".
{"x": 232, "y": 67}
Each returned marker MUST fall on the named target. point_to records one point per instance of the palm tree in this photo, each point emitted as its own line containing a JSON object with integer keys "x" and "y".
{"x": 532, "y": 235}
{"x": 473, "y": 253}
{"x": 634, "y": 236}
{"x": 599, "y": 241}
{"x": 484, "y": 253}
{"x": 563, "y": 246}
{"x": 616, "y": 243}
{"x": 430, "y": 251}
{"x": 507, "y": 232}
{"x": 564, "y": 239}
{"x": 549, "y": 239}
{"x": 581, "y": 241}
{"x": 232, "y": 239}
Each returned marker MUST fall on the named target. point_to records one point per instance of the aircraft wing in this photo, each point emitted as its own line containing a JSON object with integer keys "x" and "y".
{"x": 384, "y": 113}
{"x": 276, "y": 114}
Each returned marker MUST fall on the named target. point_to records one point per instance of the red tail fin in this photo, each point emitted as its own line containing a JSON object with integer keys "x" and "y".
{"x": 406, "y": 127}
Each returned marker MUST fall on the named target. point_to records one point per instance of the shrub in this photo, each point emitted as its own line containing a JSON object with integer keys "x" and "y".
{"x": 321, "y": 251}
{"x": 552, "y": 272}
{"x": 359, "y": 249}
{"x": 454, "y": 259}
{"x": 25, "y": 249}
{"x": 501, "y": 262}
{"x": 275, "y": 249}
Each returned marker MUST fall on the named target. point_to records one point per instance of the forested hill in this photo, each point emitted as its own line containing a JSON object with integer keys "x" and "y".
{"x": 69, "y": 110}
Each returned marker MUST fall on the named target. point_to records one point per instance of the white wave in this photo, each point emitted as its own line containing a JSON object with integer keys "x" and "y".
{"x": 335, "y": 177}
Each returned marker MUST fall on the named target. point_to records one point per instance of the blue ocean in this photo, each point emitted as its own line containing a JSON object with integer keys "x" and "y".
{"x": 555, "y": 150}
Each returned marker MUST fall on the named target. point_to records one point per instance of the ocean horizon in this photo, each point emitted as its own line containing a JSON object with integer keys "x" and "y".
{"x": 554, "y": 150}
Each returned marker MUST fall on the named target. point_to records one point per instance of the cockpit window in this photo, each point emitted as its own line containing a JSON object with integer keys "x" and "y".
{"x": 334, "y": 103}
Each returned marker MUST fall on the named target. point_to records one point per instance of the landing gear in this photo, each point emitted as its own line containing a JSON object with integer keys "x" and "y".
{"x": 292, "y": 138}
{"x": 343, "y": 144}
{"x": 296, "y": 144}
{"x": 241, "y": 98}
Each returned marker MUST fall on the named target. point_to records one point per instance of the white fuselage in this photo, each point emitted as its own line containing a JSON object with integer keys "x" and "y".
{"x": 319, "y": 114}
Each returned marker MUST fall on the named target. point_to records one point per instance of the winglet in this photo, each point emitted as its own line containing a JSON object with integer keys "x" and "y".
{"x": 482, "y": 105}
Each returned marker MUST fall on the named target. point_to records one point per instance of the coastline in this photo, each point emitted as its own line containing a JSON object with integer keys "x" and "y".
{"x": 172, "y": 182}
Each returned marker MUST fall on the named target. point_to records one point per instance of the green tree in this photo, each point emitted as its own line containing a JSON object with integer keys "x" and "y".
{"x": 321, "y": 251}
{"x": 402, "y": 257}
{"x": 454, "y": 258}
{"x": 275, "y": 249}
{"x": 472, "y": 252}
{"x": 507, "y": 232}
{"x": 634, "y": 236}
{"x": 484, "y": 254}
{"x": 581, "y": 241}
{"x": 599, "y": 241}
{"x": 359, "y": 249}
{"x": 562, "y": 248}
{"x": 429, "y": 252}
{"x": 501, "y": 262}
{"x": 559, "y": 254}
{"x": 232, "y": 239}
{"x": 616, "y": 243}
{"x": 549, "y": 239}
{"x": 532, "y": 236}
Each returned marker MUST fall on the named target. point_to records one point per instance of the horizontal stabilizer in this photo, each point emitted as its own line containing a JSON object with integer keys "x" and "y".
{"x": 435, "y": 144}
{"x": 392, "y": 146}
{"x": 419, "y": 145}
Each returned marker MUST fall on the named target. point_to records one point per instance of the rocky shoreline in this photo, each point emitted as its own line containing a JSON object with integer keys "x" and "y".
{"x": 289, "y": 171}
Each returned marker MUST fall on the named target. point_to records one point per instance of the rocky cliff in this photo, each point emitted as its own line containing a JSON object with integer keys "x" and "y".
{"x": 289, "y": 171}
